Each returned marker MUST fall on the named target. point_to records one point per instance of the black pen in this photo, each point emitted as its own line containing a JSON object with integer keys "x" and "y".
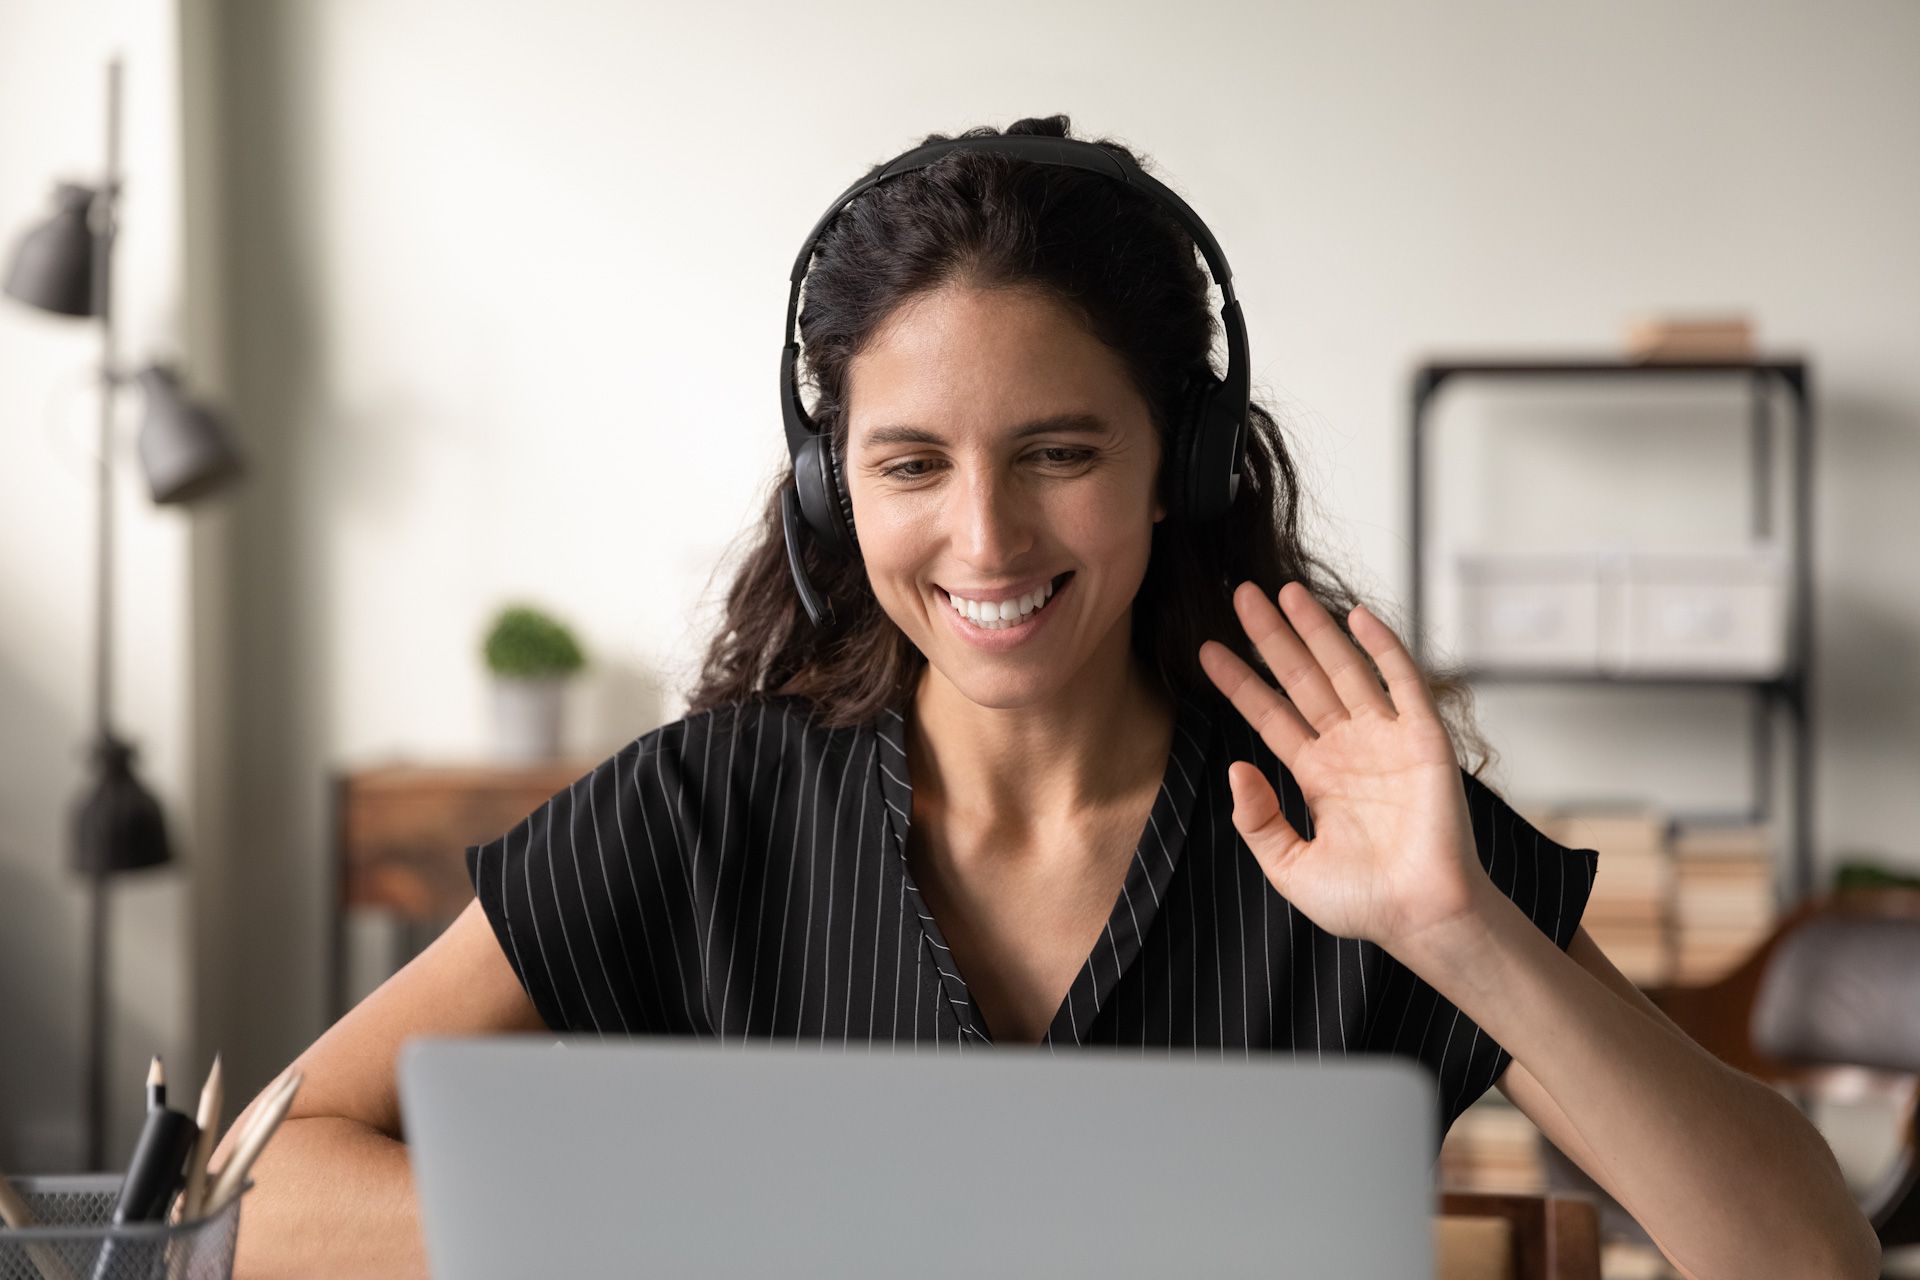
{"x": 153, "y": 1176}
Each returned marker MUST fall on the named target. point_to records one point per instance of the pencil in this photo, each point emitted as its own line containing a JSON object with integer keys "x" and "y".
{"x": 156, "y": 1084}
{"x": 15, "y": 1212}
{"x": 227, "y": 1183}
{"x": 243, "y": 1124}
{"x": 211, "y": 1100}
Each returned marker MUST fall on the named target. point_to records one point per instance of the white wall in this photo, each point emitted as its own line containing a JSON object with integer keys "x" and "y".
{"x": 502, "y": 284}
{"x": 53, "y": 56}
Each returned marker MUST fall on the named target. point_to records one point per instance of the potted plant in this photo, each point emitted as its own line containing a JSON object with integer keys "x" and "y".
{"x": 531, "y": 656}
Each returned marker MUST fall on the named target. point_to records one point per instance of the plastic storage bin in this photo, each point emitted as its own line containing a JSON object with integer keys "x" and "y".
{"x": 1540, "y": 610}
{"x": 1720, "y": 613}
{"x": 72, "y": 1216}
{"x": 1686, "y": 612}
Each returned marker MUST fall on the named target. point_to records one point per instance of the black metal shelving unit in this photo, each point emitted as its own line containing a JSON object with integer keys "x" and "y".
{"x": 1791, "y": 690}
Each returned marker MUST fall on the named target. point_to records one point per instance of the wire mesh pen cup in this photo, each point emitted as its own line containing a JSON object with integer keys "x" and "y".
{"x": 73, "y": 1237}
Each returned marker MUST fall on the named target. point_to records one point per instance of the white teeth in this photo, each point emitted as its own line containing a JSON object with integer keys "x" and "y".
{"x": 993, "y": 616}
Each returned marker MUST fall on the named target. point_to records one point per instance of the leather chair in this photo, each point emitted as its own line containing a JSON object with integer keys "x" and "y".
{"x": 1829, "y": 1001}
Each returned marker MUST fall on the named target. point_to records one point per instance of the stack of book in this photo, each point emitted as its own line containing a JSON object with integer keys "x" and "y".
{"x": 1723, "y": 897}
{"x": 1629, "y": 1260}
{"x": 1492, "y": 1146}
{"x": 1626, "y": 915}
{"x": 1705, "y": 338}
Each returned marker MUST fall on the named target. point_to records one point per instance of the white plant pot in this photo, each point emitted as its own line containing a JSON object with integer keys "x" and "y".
{"x": 528, "y": 712}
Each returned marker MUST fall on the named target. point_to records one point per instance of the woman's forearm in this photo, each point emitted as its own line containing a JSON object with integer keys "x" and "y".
{"x": 332, "y": 1197}
{"x": 1725, "y": 1174}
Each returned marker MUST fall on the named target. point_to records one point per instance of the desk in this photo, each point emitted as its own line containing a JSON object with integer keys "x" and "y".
{"x": 400, "y": 837}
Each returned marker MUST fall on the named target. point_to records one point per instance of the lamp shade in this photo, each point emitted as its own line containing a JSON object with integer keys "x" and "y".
{"x": 118, "y": 825}
{"x": 184, "y": 450}
{"x": 52, "y": 265}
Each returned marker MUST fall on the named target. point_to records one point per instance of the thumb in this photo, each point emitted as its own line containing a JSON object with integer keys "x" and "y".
{"x": 1257, "y": 816}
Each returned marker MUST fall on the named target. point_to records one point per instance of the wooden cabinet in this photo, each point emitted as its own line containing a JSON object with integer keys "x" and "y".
{"x": 401, "y": 832}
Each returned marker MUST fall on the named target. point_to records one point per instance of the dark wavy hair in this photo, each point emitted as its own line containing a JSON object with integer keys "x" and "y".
{"x": 1131, "y": 273}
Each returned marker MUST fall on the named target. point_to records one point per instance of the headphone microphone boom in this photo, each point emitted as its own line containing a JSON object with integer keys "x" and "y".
{"x": 1209, "y": 436}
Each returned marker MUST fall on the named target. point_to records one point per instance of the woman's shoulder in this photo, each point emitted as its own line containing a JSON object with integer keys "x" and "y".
{"x": 762, "y": 728}
{"x": 672, "y": 756}
{"x": 707, "y": 759}
{"x": 656, "y": 795}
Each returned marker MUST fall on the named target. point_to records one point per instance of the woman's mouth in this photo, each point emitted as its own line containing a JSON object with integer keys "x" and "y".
{"x": 1006, "y": 615}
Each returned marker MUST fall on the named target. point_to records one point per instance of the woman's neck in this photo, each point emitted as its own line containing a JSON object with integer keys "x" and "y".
{"x": 1047, "y": 765}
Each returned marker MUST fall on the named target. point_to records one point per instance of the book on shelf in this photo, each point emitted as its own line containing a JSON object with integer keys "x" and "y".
{"x": 1492, "y": 1146}
{"x": 1690, "y": 337}
{"x": 1632, "y": 1260}
{"x": 1605, "y": 825}
{"x": 1629, "y": 874}
{"x": 1724, "y": 837}
{"x": 1645, "y": 964}
{"x": 1626, "y": 910}
{"x": 1724, "y": 900}
{"x": 1742, "y": 904}
{"x": 1674, "y": 899}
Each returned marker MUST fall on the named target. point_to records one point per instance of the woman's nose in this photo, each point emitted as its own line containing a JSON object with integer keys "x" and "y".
{"x": 995, "y": 526}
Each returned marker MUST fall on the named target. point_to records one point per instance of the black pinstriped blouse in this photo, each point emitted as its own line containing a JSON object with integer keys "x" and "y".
{"x": 742, "y": 872}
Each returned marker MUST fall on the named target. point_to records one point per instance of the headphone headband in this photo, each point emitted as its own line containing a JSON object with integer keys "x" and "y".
{"x": 1073, "y": 153}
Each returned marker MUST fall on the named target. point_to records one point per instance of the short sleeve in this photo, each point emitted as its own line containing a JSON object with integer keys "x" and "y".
{"x": 1551, "y": 884}
{"x": 574, "y": 891}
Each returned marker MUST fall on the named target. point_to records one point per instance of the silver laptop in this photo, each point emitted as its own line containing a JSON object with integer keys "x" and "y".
{"x": 675, "y": 1157}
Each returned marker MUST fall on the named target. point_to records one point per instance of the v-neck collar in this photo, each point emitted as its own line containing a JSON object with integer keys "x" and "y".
{"x": 1156, "y": 853}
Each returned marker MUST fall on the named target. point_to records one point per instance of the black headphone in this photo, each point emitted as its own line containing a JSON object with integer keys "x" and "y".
{"x": 1209, "y": 433}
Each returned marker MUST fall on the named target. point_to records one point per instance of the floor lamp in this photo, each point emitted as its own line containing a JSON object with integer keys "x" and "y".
{"x": 64, "y": 266}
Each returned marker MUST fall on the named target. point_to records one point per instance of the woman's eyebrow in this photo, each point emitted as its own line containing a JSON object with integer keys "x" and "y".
{"x": 1062, "y": 423}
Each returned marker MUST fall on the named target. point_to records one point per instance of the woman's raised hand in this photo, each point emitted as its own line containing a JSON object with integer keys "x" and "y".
{"x": 1392, "y": 853}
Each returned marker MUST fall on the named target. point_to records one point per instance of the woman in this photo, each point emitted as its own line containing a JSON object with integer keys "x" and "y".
{"x": 1032, "y": 786}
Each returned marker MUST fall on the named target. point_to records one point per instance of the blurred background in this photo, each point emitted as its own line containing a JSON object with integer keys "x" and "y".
{"x": 485, "y": 298}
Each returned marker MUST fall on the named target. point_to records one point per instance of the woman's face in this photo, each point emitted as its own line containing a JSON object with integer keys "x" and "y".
{"x": 995, "y": 447}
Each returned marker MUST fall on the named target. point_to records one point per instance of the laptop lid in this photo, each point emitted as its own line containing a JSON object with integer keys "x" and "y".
{"x": 679, "y": 1157}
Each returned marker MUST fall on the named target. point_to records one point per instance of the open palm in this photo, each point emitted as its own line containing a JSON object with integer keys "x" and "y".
{"x": 1392, "y": 852}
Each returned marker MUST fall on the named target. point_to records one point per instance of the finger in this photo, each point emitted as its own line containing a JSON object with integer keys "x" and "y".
{"x": 1345, "y": 666}
{"x": 1271, "y": 715}
{"x": 1288, "y": 657}
{"x": 1258, "y": 818}
{"x": 1404, "y": 681}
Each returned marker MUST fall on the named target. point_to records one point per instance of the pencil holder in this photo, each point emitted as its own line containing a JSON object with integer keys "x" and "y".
{"x": 73, "y": 1237}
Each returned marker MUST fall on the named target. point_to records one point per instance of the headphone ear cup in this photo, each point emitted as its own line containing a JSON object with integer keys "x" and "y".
{"x": 1181, "y": 456}
{"x": 843, "y": 504}
{"x": 825, "y": 508}
{"x": 1213, "y": 453}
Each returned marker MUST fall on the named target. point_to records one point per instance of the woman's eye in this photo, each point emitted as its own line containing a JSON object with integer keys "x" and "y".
{"x": 1053, "y": 457}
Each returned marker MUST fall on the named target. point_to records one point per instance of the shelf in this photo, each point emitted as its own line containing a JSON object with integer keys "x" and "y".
{"x": 1763, "y": 377}
{"x": 1434, "y": 369}
{"x": 1524, "y": 675}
